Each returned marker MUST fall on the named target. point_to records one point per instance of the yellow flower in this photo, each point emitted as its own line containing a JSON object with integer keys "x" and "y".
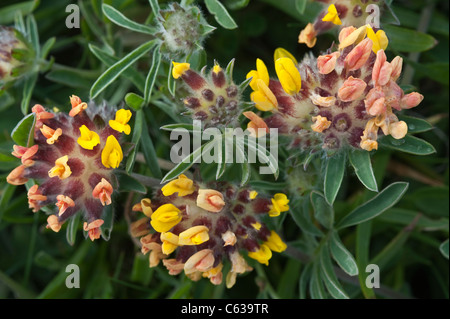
{"x": 262, "y": 255}
{"x": 165, "y": 217}
{"x": 194, "y": 236}
{"x": 61, "y": 169}
{"x": 260, "y": 73}
{"x": 288, "y": 75}
{"x": 217, "y": 68}
{"x": 179, "y": 68}
{"x": 183, "y": 186}
{"x": 279, "y": 204}
{"x": 120, "y": 122}
{"x": 112, "y": 153}
{"x": 88, "y": 139}
{"x": 321, "y": 123}
{"x": 264, "y": 98}
{"x": 332, "y": 15}
{"x": 253, "y": 194}
{"x": 283, "y": 53}
{"x": 275, "y": 243}
{"x": 169, "y": 242}
{"x": 379, "y": 39}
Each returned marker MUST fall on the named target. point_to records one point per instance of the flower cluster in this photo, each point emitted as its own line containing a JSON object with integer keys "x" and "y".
{"x": 215, "y": 99}
{"x": 72, "y": 160}
{"x": 346, "y": 95}
{"x": 207, "y": 224}
{"x": 342, "y": 13}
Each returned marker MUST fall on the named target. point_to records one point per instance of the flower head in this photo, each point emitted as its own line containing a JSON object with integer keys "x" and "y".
{"x": 202, "y": 230}
{"x": 67, "y": 162}
{"x": 346, "y": 96}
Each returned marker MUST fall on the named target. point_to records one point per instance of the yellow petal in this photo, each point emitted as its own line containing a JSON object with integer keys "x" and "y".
{"x": 179, "y": 68}
{"x": 61, "y": 169}
{"x": 332, "y": 15}
{"x": 262, "y": 255}
{"x": 165, "y": 217}
{"x": 283, "y": 53}
{"x": 183, "y": 186}
{"x": 275, "y": 243}
{"x": 112, "y": 153}
{"x": 264, "y": 98}
{"x": 279, "y": 204}
{"x": 88, "y": 139}
{"x": 194, "y": 235}
{"x": 120, "y": 122}
{"x": 288, "y": 75}
{"x": 354, "y": 38}
{"x": 379, "y": 39}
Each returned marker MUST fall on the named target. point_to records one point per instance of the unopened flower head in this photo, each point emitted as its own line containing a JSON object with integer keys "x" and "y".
{"x": 197, "y": 228}
{"x": 342, "y": 98}
{"x": 214, "y": 98}
{"x": 72, "y": 162}
{"x": 182, "y": 30}
{"x": 16, "y": 55}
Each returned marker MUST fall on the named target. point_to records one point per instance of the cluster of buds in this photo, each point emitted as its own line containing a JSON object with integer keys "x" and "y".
{"x": 346, "y": 95}
{"x": 15, "y": 55}
{"x": 342, "y": 13}
{"x": 215, "y": 99}
{"x": 72, "y": 162}
{"x": 181, "y": 29}
{"x": 206, "y": 225}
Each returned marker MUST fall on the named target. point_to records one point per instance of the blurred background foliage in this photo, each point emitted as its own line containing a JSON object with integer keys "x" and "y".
{"x": 407, "y": 240}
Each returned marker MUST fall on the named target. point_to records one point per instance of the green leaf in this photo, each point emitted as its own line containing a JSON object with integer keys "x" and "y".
{"x": 155, "y": 6}
{"x": 300, "y": 6}
{"x": 444, "y": 248}
{"x": 329, "y": 277}
{"x": 171, "y": 83}
{"x": 111, "y": 74}
{"x": 387, "y": 198}
{"x": 130, "y": 184}
{"x": 323, "y": 212}
{"x": 362, "y": 165}
{"x": 415, "y": 125}
{"x": 334, "y": 174}
{"x": 72, "y": 228}
{"x": 264, "y": 155}
{"x": 149, "y": 152}
{"x": 407, "y": 40}
{"x": 134, "y": 101}
{"x": 363, "y": 232}
{"x": 299, "y": 211}
{"x": 27, "y": 92}
{"x": 118, "y": 18}
{"x": 108, "y": 59}
{"x": 137, "y": 132}
{"x": 431, "y": 200}
{"x": 72, "y": 77}
{"x": 342, "y": 256}
{"x": 152, "y": 73}
{"x": 405, "y": 217}
{"x": 172, "y": 127}
{"x": 187, "y": 162}
{"x": 316, "y": 289}
{"x": 236, "y": 4}
{"x": 33, "y": 34}
{"x": 48, "y": 45}
{"x": 23, "y": 133}
{"x": 108, "y": 218}
{"x": 408, "y": 144}
{"x": 8, "y": 13}
{"x": 220, "y": 14}
{"x": 304, "y": 279}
